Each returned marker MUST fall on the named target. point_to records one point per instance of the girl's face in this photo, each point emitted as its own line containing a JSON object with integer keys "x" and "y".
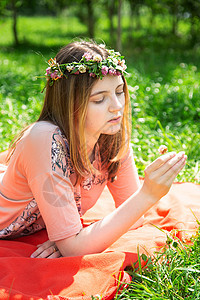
{"x": 105, "y": 108}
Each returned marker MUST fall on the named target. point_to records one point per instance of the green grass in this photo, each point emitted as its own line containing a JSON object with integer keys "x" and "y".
{"x": 173, "y": 273}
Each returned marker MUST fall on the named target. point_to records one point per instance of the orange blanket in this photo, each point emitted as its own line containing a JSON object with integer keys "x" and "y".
{"x": 22, "y": 277}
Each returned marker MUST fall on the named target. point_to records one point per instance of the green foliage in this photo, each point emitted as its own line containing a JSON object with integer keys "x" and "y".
{"x": 161, "y": 113}
{"x": 173, "y": 273}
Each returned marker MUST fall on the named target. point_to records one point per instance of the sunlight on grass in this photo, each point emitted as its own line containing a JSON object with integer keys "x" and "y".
{"x": 173, "y": 273}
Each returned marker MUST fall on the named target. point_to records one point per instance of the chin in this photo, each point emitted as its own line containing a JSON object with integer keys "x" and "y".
{"x": 113, "y": 130}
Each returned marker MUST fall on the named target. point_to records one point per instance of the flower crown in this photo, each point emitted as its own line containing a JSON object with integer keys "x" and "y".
{"x": 114, "y": 64}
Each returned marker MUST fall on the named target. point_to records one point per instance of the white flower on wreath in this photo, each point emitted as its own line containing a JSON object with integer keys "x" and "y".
{"x": 115, "y": 60}
{"x": 69, "y": 68}
{"x": 97, "y": 58}
{"x": 82, "y": 69}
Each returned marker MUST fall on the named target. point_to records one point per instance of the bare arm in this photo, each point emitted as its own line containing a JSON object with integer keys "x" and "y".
{"x": 97, "y": 237}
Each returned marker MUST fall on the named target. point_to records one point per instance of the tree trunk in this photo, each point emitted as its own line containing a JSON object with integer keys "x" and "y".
{"x": 131, "y": 19}
{"x": 138, "y": 23}
{"x": 175, "y": 18}
{"x": 91, "y": 22}
{"x": 14, "y": 9}
{"x": 119, "y": 43}
{"x": 193, "y": 31}
{"x": 111, "y": 8}
{"x": 151, "y": 19}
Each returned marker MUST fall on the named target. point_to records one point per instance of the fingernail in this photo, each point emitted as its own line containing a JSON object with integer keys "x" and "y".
{"x": 32, "y": 256}
{"x": 181, "y": 154}
{"x": 172, "y": 153}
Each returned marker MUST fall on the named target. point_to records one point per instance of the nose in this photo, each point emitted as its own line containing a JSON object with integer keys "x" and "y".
{"x": 116, "y": 104}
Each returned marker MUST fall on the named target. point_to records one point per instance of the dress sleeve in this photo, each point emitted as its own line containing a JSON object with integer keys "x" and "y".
{"x": 48, "y": 170}
{"x": 127, "y": 181}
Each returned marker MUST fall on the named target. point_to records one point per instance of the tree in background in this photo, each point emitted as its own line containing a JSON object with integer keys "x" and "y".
{"x": 10, "y": 8}
{"x": 85, "y": 11}
{"x": 110, "y": 8}
{"x": 175, "y": 9}
{"x": 191, "y": 9}
{"x": 89, "y": 13}
{"x": 119, "y": 15}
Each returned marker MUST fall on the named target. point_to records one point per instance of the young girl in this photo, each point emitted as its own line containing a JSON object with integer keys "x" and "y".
{"x": 58, "y": 167}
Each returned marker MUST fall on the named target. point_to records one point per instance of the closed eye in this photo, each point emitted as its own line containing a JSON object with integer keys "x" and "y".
{"x": 120, "y": 93}
{"x": 99, "y": 100}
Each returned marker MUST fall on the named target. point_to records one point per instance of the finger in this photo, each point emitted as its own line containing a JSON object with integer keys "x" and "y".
{"x": 171, "y": 162}
{"x": 46, "y": 244}
{"x": 42, "y": 248}
{"x": 168, "y": 177}
{"x": 45, "y": 252}
{"x": 159, "y": 162}
{"x": 174, "y": 171}
{"x": 56, "y": 254}
{"x": 37, "y": 252}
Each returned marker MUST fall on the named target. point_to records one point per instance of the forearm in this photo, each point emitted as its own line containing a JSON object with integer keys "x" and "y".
{"x": 100, "y": 235}
{"x": 97, "y": 237}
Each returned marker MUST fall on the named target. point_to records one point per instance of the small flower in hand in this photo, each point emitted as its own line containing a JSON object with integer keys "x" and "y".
{"x": 162, "y": 149}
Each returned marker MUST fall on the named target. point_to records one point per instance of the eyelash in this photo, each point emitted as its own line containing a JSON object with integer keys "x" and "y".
{"x": 100, "y": 101}
{"x": 120, "y": 93}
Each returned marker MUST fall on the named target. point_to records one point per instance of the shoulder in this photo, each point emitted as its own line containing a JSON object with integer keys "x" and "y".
{"x": 37, "y": 140}
{"x": 39, "y": 133}
{"x": 41, "y": 127}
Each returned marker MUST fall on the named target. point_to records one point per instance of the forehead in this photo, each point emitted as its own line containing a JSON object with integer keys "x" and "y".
{"x": 108, "y": 82}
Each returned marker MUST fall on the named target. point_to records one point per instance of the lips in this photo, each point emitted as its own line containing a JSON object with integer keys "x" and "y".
{"x": 115, "y": 120}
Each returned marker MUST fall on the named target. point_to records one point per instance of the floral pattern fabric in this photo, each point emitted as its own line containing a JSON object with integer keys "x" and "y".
{"x": 28, "y": 222}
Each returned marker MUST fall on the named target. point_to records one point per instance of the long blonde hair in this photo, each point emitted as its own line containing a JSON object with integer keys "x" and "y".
{"x": 65, "y": 105}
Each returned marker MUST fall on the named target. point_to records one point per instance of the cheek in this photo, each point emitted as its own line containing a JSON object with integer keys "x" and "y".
{"x": 95, "y": 118}
{"x": 91, "y": 116}
{"x": 123, "y": 101}
{"x": 95, "y": 112}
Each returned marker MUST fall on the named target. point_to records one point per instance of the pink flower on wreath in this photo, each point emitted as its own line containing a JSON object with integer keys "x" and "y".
{"x": 76, "y": 73}
{"x": 112, "y": 71}
{"x": 54, "y": 75}
{"x": 104, "y": 70}
{"x": 87, "y": 56}
{"x": 118, "y": 73}
{"x": 48, "y": 71}
{"x": 92, "y": 74}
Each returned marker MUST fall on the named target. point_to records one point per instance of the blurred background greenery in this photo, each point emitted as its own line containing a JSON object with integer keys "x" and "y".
{"x": 161, "y": 44}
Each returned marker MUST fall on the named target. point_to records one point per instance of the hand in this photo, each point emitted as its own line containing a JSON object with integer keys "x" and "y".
{"x": 160, "y": 174}
{"x": 46, "y": 250}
